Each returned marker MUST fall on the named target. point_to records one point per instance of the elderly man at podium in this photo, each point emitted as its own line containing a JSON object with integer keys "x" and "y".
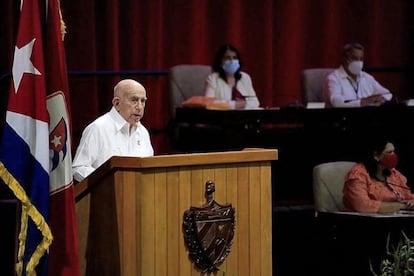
{"x": 118, "y": 132}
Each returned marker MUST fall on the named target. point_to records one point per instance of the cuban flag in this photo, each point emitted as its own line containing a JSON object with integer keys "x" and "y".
{"x": 35, "y": 156}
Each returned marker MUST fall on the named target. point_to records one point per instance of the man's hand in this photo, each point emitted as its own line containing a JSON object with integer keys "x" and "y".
{"x": 373, "y": 100}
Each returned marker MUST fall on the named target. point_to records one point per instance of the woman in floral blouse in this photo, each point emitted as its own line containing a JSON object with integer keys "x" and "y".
{"x": 375, "y": 185}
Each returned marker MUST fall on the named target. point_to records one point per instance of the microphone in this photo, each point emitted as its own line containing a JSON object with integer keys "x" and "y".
{"x": 397, "y": 185}
{"x": 387, "y": 172}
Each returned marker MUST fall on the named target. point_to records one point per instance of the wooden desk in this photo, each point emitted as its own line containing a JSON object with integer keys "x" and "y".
{"x": 235, "y": 129}
{"x": 349, "y": 242}
{"x": 304, "y": 138}
{"x": 253, "y": 117}
{"x": 198, "y": 130}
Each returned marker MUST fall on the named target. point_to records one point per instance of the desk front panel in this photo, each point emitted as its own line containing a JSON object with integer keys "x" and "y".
{"x": 303, "y": 137}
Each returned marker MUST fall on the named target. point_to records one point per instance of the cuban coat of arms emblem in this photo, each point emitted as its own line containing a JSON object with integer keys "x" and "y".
{"x": 208, "y": 231}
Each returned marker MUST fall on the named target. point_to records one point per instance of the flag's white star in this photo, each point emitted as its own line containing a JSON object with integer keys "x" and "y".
{"x": 56, "y": 141}
{"x": 22, "y": 63}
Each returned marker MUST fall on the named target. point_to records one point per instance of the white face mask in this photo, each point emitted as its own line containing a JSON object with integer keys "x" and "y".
{"x": 355, "y": 67}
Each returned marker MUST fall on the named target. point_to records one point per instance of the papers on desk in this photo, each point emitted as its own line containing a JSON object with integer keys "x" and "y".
{"x": 410, "y": 102}
{"x": 205, "y": 102}
{"x": 315, "y": 105}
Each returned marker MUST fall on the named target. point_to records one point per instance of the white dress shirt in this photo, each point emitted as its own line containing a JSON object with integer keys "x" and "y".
{"x": 217, "y": 88}
{"x": 340, "y": 90}
{"x": 108, "y": 136}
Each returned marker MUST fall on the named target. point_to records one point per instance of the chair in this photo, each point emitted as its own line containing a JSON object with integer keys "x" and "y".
{"x": 328, "y": 181}
{"x": 186, "y": 80}
{"x": 312, "y": 84}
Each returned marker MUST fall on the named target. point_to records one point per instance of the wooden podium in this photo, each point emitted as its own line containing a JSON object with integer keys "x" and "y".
{"x": 130, "y": 212}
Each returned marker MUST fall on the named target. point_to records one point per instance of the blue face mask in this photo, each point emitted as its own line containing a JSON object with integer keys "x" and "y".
{"x": 231, "y": 66}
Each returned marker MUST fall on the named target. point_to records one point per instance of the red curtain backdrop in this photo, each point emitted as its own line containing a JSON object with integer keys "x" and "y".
{"x": 277, "y": 40}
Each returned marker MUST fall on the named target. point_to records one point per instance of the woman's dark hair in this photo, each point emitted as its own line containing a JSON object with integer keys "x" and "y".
{"x": 217, "y": 63}
{"x": 376, "y": 145}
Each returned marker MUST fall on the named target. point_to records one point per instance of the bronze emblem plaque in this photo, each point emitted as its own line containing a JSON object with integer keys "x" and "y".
{"x": 208, "y": 232}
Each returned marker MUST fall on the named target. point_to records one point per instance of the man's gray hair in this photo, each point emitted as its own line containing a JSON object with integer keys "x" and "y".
{"x": 352, "y": 46}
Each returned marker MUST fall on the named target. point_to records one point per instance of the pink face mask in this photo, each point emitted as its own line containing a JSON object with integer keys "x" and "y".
{"x": 389, "y": 161}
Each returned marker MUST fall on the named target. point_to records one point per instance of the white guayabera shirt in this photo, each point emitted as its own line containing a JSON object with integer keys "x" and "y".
{"x": 109, "y": 136}
{"x": 341, "y": 91}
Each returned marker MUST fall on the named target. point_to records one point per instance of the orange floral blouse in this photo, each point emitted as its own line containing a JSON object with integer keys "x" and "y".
{"x": 363, "y": 194}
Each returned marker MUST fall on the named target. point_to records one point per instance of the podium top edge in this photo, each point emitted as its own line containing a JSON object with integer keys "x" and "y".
{"x": 205, "y": 158}
{"x": 247, "y": 155}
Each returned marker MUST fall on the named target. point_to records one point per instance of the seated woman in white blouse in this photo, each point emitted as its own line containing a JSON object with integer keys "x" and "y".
{"x": 227, "y": 84}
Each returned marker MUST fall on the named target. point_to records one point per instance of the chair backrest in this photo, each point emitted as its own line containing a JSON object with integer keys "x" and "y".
{"x": 185, "y": 81}
{"x": 328, "y": 182}
{"x": 312, "y": 84}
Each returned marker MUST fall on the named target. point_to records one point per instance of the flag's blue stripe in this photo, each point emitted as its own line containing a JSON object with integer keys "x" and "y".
{"x": 18, "y": 160}
{"x": 16, "y": 157}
